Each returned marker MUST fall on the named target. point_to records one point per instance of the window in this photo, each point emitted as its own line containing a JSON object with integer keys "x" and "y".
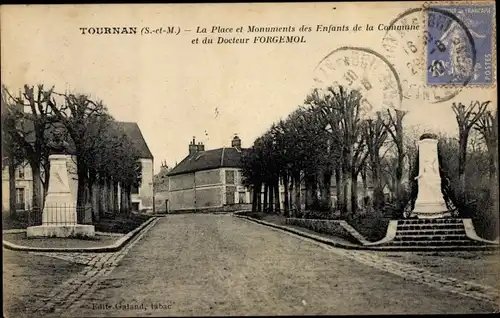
{"x": 135, "y": 206}
{"x": 20, "y": 198}
{"x": 20, "y": 172}
{"x": 242, "y": 196}
{"x": 229, "y": 176}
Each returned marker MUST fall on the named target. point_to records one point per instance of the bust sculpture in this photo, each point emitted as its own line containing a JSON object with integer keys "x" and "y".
{"x": 58, "y": 146}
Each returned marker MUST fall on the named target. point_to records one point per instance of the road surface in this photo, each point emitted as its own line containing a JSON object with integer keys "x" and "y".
{"x": 199, "y": 265}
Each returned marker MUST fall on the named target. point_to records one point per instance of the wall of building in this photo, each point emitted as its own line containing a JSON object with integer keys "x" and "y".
{"x": 199, "y": 190}
{"x": 145, "y": 195}
{"x": 23, "y": 183}
{"x": 161, "y": 201}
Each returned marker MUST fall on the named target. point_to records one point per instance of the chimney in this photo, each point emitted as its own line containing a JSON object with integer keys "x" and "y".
{"x": 236, "y": 142}
{"x": 193, "y": 147}
{"x": 201, "y": 146}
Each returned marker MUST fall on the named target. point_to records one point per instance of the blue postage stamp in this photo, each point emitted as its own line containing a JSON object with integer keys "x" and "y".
{"x": 460, "y": 44}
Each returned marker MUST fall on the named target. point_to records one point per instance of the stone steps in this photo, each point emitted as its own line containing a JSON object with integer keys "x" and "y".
{"x": 404, "y": 238}
{"x": 429, "y": 221}
{"x": 431, "y": 227}
{"x": 424, "y": 248}
{"x": 431, "y": 234}
{"x": 457, "y": 242}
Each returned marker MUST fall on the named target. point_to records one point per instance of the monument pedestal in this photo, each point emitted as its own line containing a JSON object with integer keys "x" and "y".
{"x": 431, "y": 210}
{"x": 76, "y": 230}
{"x": 430, "y": 202}
{"x": 59, "y": 217}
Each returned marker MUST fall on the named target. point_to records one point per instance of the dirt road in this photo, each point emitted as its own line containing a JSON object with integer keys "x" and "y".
{"x": 220, "y": 265}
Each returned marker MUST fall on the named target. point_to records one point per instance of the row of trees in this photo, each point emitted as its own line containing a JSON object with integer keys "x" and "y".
{"x": 104, "y": 155}
{"x": 331, "y": 136}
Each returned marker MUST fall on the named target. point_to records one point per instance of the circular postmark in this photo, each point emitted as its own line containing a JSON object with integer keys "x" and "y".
{"x": 434, "y": 63}
{"x": 364, "y": 70}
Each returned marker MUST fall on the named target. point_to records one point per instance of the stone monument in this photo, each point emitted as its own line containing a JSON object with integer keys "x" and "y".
{"x": 430, "y": 203}
{"x": 59, "y": 218}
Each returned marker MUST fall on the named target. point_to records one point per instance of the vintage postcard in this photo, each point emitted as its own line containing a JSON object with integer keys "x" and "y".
{"x": 330, "y": 158}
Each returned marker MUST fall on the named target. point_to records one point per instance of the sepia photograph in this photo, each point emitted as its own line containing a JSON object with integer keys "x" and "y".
{"x": 249, "y": 159}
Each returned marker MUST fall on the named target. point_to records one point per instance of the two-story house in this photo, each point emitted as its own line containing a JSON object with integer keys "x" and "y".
{"x": 208, "y": 179}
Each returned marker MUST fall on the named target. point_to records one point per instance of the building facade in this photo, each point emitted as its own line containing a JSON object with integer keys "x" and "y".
{"x": 208, "y": 180}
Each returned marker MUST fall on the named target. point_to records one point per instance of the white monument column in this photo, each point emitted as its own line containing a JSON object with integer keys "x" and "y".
{"x": 430, "y": 203}
{"x": 59, "y": 206}
{"x": 59, "y": 217}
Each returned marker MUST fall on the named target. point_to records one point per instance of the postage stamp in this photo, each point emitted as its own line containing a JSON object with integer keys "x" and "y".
{"x": 365, "y": 70}
{"x": 436, "y": 53}
{"x": 450, "y": 60}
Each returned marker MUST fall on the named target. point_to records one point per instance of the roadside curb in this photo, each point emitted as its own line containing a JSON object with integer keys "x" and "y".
{"x": 119, "y": 244}
{"x": 333, "y": 243}
{"x": 301, "y": 233}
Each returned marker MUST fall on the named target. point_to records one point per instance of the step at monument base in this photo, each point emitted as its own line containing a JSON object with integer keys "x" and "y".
{"x": 75, "y": 230}
{"x": 442, "y": 233}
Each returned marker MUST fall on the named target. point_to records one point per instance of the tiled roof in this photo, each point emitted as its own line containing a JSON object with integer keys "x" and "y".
{"x": 209, "y": 159}
{"x": 135, "y": 134}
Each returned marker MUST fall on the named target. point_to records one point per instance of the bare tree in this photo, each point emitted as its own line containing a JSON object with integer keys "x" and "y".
{"x": 487, "y": 126}
{"x": 79, "y": 114}
{"x": 30, "y": 132}
{"x": 467, "y": 117}
{"x": 375, "y": 133}
{"x": 394, "y": 126}
{"x": 13, "y": 155}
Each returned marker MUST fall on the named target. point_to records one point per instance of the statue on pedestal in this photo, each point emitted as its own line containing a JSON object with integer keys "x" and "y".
{"x": 430, "y": 202}
{"x": 59, "y": 217}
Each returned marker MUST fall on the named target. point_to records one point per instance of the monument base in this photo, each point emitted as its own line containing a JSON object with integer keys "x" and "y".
{"x": 430, "y": 211}
{"x": 74, "y": 230}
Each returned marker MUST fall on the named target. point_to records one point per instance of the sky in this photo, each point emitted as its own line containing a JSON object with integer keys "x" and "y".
{"x": 175, "y": 90}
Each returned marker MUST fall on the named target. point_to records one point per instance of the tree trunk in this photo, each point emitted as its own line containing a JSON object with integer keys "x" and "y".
{"x": 115, "y": 198}
{"x": 311, "y": 191}
{"x": 354, "y": 193}
{"x": 123, "y": 209}
{"x": 12, "y": 189}
{"x": 365, "y": 187}
{"x": 277, "y": 206}
{"x": 36, "y": 195}
{"x": 338, "y": 188}
{"x": 91, "y": 189}
{"x": 298, "y": 189}
{"x": 327, "y": 184}
{"x": 347, "y": 192}
{"x": 102, "y": 196}
{"x": 128, "y": 195}
{"x": 259, "y": 197}
{"x": 254, "y": 198}
{"x": 462, "y": 157}
{"x": 378, "y": 195}
{"x": 314, "y": 190}
{"x": 271, "y": 197}
{"x": 286, "y": 202}
{"x": 266, "y": 204}
{"x": 109, "y": 196}
{"x": 95, "y": 201}
{"x": 82, "y": 184}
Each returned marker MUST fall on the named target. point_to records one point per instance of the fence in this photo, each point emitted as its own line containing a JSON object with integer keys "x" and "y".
{"x": 60, "y": 214}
